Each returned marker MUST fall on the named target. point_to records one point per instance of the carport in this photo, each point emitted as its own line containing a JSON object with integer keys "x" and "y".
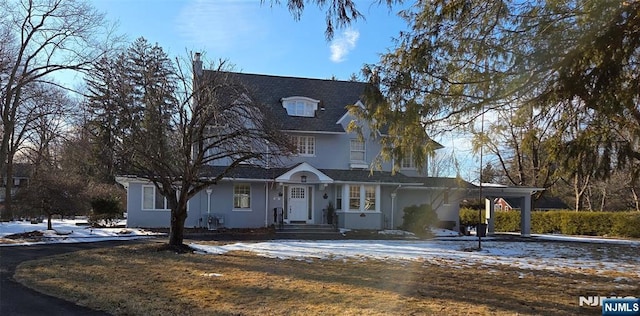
{"x": 492, "y": 191}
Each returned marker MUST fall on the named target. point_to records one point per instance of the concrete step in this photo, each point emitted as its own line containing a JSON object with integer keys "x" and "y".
{"x": 306, "y": 229}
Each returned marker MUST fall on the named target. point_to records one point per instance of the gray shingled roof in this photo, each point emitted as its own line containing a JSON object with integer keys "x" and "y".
{"x": 249, "y": 172}
{"x": 334, "y": 96}
{"x": 244, "y": 172}
{"x": 368, "y": 176}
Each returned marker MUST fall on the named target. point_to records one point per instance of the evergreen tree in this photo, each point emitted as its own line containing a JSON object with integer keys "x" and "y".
{"x": 461, "y": 58}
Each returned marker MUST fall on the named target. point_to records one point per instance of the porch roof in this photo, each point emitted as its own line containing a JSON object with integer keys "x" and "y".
{"x": 340, "y": 175}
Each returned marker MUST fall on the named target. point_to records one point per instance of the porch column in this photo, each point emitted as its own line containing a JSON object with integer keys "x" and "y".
{"x": 490, "y": 214}
{"x": 525, "y": 217}
{"x": 345, "y": 206}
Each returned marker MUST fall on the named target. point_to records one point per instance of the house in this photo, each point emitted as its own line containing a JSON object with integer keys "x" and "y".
{"x": 21, "y": 174}
{"x": 544, "y": 203}
{"x": 331, "y": 166}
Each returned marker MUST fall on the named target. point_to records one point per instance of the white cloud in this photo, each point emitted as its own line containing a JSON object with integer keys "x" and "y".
{"x": 343, "y": 44}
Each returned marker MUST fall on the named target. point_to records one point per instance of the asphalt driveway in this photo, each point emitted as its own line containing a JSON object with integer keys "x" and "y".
{"x": 16, "y": 299}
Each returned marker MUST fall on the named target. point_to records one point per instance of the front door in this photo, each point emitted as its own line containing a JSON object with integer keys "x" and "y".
{"x": 298, "y": 203}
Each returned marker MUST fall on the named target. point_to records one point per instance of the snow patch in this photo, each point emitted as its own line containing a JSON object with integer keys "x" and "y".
{"x": 69, "y": 231}
{"x": 525, "y": 255}
{"x": 395, "y": 232}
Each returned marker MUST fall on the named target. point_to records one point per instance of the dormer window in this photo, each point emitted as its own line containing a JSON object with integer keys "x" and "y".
{"x": 300, "y": 106}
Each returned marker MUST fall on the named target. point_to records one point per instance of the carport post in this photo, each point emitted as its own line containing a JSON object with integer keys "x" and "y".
{"x": 490, "y": 215}
{"x": 525, "y": 217}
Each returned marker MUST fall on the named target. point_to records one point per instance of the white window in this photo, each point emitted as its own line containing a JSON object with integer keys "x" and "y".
{"x": 407, "y": 162}
{"x": 306, "y": 145}
{"x": 354, "y": 197}
{"x": 357, "y": 150}
{"x": 242, "y": 196}
{"x": 300, "y": 106}
{"x": 152, "y": 199}
{"x": 370, "y": 198}
{"x": 338, "y": 197}
{"x": 363, "y": 198}
{"x": 297, "y": 193}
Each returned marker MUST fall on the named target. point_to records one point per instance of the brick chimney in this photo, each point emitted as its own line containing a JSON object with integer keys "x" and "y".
{"x": 197, "y": 65}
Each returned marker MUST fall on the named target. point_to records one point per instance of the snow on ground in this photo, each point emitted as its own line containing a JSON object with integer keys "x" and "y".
{"x": 534, "y": 255}
{"x": 67, "y": 231}
{"x": 542, "y": 252}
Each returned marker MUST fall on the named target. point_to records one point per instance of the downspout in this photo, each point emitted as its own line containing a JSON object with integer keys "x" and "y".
{"x": 209, "y": 191}
{"x": 266, "y": 204}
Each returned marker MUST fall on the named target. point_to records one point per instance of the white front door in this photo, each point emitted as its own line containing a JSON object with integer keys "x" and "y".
{"x": 298, "y": 203}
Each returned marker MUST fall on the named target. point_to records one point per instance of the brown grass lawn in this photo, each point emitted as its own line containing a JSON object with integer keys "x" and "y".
{"x": 140, "y": 280}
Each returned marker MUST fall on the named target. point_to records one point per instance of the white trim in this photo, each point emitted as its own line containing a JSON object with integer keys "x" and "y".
{"x": 361, "y": 211}
{"x": 310, "y": 106}
{"x": 297, "y": 97}
{"x": 312, "y": 132}
{"x": 266, "y": 205}
{"x": 379, "y": 183}
{"x": 363, "y": 151}
{"x": 303, "y": 167}
{"x": 233, "y": 197}
{"x": 344, "y": 116}
{"x": 296, "y": 139}
{"x": 358, "y": 165}
{"x": 362, "y": 197}
{"x": 155, "y": 191}
{"x": 307, "y": 200}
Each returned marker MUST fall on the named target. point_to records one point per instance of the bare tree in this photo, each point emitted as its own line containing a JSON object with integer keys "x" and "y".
{"x": 523, "y": 141}
{"x": 50, "y": 108}
{"x": 53, "y": 191}
{"x": 38, "y": 39}
{"x": 180, "y": 123}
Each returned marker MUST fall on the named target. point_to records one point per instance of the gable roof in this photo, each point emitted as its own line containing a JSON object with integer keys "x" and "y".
{"x": 334, "y": 96}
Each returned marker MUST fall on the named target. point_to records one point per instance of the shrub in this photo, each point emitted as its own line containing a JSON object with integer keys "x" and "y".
{"x": 621, "y": 224}
{"x": 104, "y": 211}
{"x": 469, "y": 217}
{"x": 507, "y": 221}
{"x": 418, "y": 218}
{"x": 626, "y": 224}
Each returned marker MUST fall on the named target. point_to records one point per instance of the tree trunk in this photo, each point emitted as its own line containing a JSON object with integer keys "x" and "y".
{"x": 49, "y": 225}
{"x": 178, "y": 216}
{"x": 579, "y": 188}
{"x": 636, "y": 200}
{"x": 604, "y": 198}
{"x": 8, "y": 200}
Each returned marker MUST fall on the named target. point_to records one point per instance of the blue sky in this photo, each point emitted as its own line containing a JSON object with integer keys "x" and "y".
{"x": 259, "y": 38}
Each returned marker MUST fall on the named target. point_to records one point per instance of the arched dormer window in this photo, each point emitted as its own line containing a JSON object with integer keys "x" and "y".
{"x": 300, "y": 106}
